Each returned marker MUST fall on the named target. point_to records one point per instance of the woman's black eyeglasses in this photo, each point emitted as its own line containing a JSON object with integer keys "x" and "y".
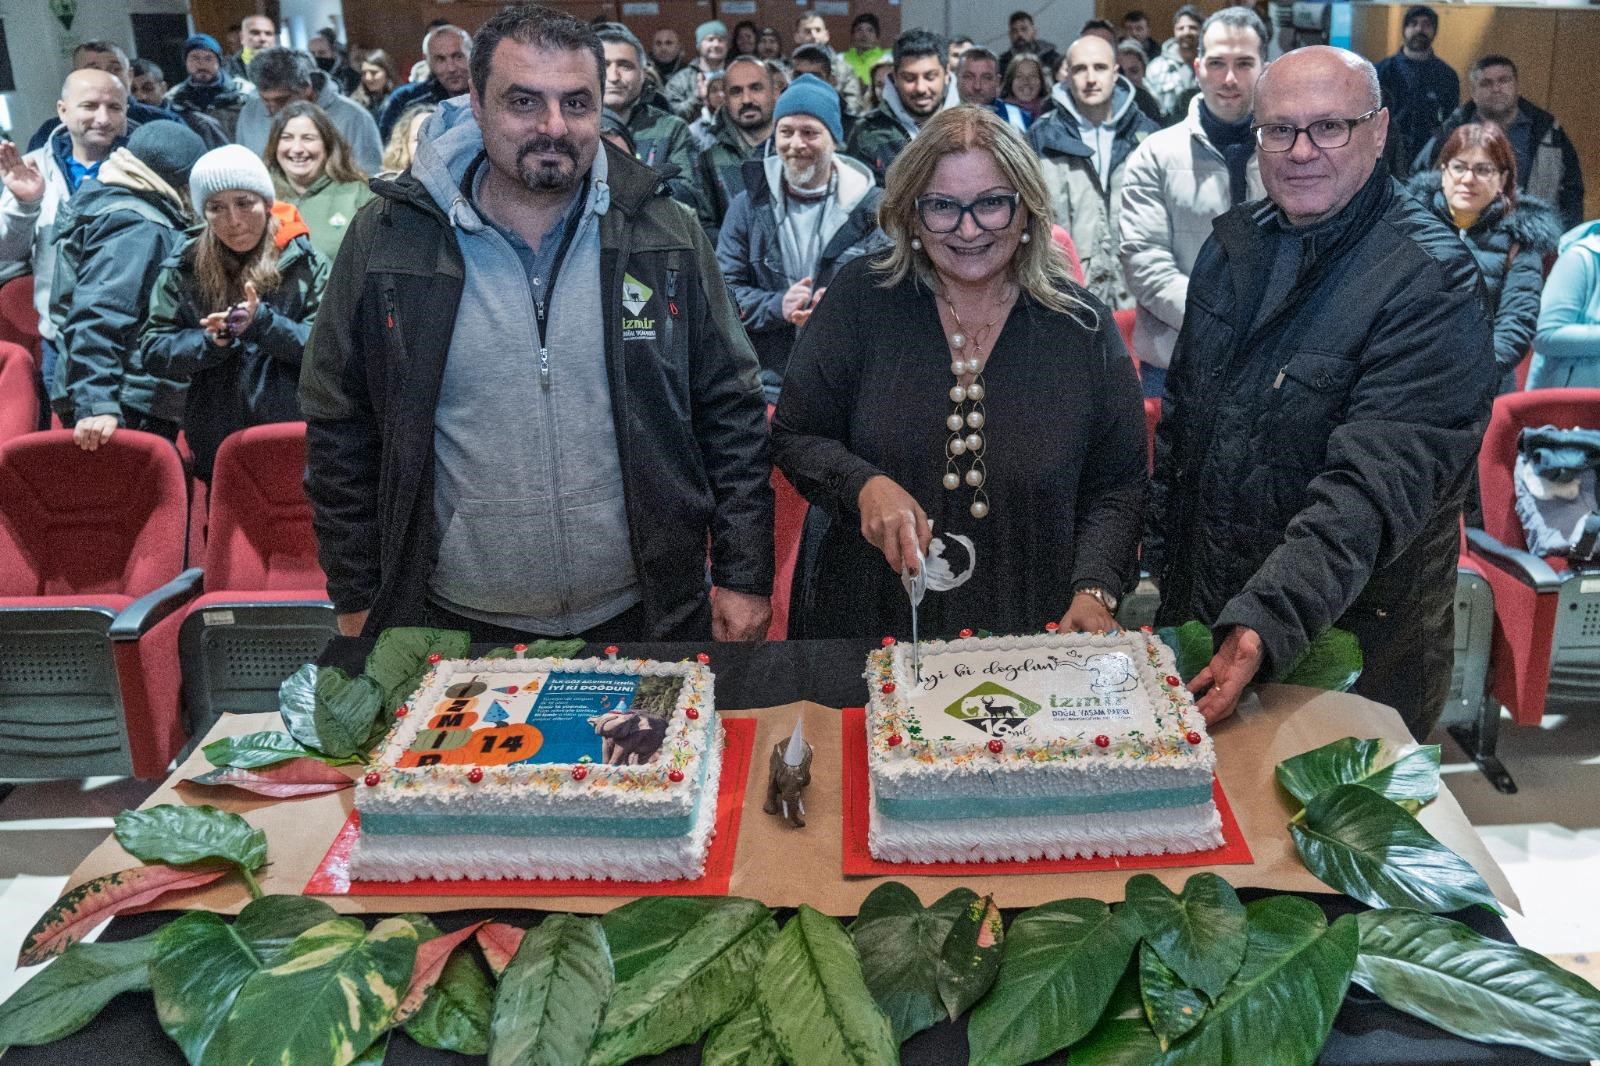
{"x": 941, "y": 214}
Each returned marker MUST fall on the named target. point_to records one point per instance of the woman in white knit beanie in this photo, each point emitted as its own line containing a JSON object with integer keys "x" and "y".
{"x": 233, "y": 306}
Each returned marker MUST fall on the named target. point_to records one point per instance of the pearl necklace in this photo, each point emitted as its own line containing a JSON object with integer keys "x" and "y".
{"x": 966, "y": 443}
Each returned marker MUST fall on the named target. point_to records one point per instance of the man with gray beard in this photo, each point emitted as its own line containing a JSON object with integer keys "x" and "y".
{"x": 539, "y": 434}
{"x": 805, "y": 212}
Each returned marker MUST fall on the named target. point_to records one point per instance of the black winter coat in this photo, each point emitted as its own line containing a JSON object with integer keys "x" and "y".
{"x": 1510, "y": 248}
{"x": 250, "y": 382}
{"x": 1311, "y": 462}
{"x": 691, "y": 423}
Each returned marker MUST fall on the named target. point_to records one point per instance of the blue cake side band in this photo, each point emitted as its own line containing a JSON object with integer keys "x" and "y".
{"x": 939, "y": 810}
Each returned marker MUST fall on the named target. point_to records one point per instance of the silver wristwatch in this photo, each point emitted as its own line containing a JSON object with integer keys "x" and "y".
{"x": 1108, "y": 601}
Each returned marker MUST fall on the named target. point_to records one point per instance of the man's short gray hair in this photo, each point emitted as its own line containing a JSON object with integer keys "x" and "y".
{"x": 1236, "y": 18}
{"x": 272, "y": 69}
{"x": 466, "y": 38}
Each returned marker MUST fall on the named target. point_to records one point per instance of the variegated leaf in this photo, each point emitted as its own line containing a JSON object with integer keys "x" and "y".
{"x": 77, "y": 912}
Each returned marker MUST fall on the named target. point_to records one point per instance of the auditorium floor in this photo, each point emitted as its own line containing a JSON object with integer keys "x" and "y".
{"x": 1547, "y": 837}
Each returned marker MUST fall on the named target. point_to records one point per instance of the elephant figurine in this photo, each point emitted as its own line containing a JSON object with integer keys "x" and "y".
{"x": 790, "y": 772}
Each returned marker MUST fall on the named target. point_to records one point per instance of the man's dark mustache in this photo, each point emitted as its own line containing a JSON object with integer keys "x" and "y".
{"x": 550, "y": 144}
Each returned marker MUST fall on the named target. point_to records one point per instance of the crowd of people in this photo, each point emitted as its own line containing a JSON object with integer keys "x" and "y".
{"x": 534, "y": 295}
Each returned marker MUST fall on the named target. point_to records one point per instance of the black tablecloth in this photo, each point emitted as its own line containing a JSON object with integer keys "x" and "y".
{"x": 1366, "y": 1033}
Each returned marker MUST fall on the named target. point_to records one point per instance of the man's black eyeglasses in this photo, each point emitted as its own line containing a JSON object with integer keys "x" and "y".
{"x": 1325, "y": 133}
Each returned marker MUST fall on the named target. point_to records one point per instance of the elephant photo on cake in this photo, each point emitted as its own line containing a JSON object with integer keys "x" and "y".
{"x": 628, "y": 738}
{"x": 1112, "y": 672}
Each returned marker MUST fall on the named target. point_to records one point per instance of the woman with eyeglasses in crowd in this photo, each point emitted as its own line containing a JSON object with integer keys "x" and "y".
{"x": 960, "y": 404}
{"x": 1474, "y": 190}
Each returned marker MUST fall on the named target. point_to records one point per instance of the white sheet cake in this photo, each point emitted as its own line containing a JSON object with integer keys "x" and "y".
{"x": 545, "y": 768}
{"x": 1047, "y": 746}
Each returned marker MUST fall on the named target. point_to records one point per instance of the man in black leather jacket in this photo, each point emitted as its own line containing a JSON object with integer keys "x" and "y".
{"x": 1324, "y": 408}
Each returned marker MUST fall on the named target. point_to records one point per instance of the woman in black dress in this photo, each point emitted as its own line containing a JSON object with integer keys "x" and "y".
{"x": 962, "y": 390}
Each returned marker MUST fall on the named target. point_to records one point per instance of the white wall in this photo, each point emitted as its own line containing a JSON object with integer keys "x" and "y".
{"x": 1057, "y": 21}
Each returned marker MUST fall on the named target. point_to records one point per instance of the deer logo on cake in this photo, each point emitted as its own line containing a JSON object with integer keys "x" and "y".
{"x": 994, "y": 709}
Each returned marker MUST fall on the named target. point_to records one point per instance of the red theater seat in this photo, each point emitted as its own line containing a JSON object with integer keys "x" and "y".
{"x": 265, "y": 611}
{"x": 19, "y": 319}
{"x": 19, "y": 399}
{"x": 91, "y": 579}
{"x": 1546, "y": 646}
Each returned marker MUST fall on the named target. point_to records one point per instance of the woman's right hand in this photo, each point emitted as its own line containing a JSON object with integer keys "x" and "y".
{"x": 894, "y": 523}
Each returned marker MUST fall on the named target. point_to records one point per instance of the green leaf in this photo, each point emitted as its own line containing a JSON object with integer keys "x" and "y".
{"x": 1480, "y": 989}
{"x": 552, "y": 995}
{"x": 77, "y": 913}
{"x": 326, "y": 709}
{"x": 255, "y": 750}
{"x": 742, "y": 1040}
{"x": 400, "y": 658}
{"x": 375, "y": 1054}
{"x": 900, "y": 942}
{"x": 1199, "y": 935}
{"x": 178, "y": 834}
{"x": 814, "y": 1000}
{"x": 923, "y": 965}
{"x": 1398, "y": 771}
{"x": 201, "y": 962}
{"x": 704, "y": 978}
{"x": 970, "y": 958}
{"x": 1368, "y": 847}
{"x": 1172, "y": 1006}
{"x": 1122, "y": 1036}
{"x": 541, "y": 649}
{"x": 1191, "y": 646}
{"x": 326, "y": 998}
{"x": 456, "y": 1014}
{"x": 1280, "y": 1007}
{"x": 642, "y": 931}
{"x": 66, "y": 995}
{"x": 1332, "y": 662}
{"x": 1062, "y": 962}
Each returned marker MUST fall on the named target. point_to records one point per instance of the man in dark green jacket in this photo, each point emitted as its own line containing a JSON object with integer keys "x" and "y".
{"x": 919, "y": 88}
{"x": 661, "y": 141}
{"x": 743, "y": 131}
{"x": 531, "y": 405}
{"x": 110, "y": 240}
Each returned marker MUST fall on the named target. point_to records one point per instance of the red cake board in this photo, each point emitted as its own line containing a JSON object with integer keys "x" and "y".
{"x": 858, "y": 860}
{"x": 332, "y": 877}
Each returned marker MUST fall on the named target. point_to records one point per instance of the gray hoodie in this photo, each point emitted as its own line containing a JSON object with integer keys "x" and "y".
{"x": 528, "y": 497}
{"x": 353, "y": 122}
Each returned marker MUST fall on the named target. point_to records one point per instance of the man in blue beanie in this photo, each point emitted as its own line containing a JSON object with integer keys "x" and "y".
{"x": 683, "y": 88}
{"x": 805, "y": 212}
{"x": 208, "y": 88}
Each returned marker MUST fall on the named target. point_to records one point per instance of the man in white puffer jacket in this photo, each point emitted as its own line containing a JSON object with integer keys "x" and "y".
{"x": 1182, "y": 178}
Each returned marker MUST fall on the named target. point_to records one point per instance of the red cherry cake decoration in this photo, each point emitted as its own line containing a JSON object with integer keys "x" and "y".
{"x": 1174, "y": 680}
{"x": 580, "y": 772}
{"x": 894, "y": 740}
{"x": 888, "y": 687}
{"x": 1193, "y": 737}
{"x": 691, "y": 713}
{"x": 474, "y": 775}
{"x": 519, "y": 648}
{"x": 371, "y": 779}
{"x": 965, "y": 633}
{"x": 1051, "y": 627}
{"x": 675, "y": 776}
{"x": 435, "y": 657}
{"x": 888, "y": 642}
{"x": 1102, "y": 741}
{"x": 401, "y": 711}
{"x": 703, "y": 659}
{"x": 997, "y": 746}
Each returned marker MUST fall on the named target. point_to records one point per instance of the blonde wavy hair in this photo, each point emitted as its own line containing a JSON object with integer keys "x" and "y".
{"x": 1037, "y": 268}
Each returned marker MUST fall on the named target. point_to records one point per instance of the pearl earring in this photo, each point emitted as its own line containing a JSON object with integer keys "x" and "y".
{"x": 916, "y": 244}
{"x": 1026, "y": 237}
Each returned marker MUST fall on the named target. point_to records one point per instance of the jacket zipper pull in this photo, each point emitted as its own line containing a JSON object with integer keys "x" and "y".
{"x": 544, "y": 368}
{"x": 1277, "y": 382}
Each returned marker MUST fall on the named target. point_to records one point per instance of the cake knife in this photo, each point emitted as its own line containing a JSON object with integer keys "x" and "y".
{"x": 916, "y": 588}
